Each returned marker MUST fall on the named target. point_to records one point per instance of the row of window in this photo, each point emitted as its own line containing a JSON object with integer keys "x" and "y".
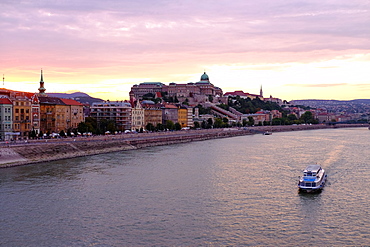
{"x": 5, "y": 126}
{"x": 6, "y": 118}
{"x": 22, "y": 103}
{"x": 18, "y": 126}
{"x": 22, "y": 110}
{"x": 308, "y": 184}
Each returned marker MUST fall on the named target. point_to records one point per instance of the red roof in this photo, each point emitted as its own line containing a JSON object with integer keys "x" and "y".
{"x": 170, "y": 106}
{"x": 4, "y": 101}
{"x": 71, "y": 102}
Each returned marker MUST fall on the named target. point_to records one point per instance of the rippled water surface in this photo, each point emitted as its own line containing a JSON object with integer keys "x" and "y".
{"x": 233, "y": 191}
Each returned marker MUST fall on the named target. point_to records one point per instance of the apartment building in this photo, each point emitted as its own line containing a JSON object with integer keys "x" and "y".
{"x": 117, "y": 111}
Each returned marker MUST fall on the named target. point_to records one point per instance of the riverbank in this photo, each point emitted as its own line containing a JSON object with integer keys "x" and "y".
{"x": 36, "y": 151}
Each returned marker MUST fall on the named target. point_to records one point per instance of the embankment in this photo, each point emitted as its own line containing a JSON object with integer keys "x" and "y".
{"x": 35, "y": 151}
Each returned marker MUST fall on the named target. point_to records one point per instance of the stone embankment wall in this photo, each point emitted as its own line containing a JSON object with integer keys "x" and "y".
{"x": 34, "y": 151}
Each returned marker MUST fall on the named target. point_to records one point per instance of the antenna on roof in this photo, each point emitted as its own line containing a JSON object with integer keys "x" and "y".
{"x": 3, "y": 79}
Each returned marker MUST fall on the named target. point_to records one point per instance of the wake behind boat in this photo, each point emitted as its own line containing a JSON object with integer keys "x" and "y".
{"x": 313, "y": 179}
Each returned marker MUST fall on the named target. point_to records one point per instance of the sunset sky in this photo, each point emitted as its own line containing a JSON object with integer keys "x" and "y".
{"x": 293, "y": 49}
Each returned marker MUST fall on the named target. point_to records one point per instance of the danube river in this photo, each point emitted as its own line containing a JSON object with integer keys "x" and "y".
{"x": 239, "y": 191}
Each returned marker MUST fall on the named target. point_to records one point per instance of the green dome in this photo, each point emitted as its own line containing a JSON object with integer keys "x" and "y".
{"x": 204, "y": 77}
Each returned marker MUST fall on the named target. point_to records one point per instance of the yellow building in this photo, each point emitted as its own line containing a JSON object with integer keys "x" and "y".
{"x": 22, "y": 113}
{"x": 152, "y": 113}
{"x": 52, "y": 114}
{"x": 183, "y": 116}
{"x": 73, "y": 113}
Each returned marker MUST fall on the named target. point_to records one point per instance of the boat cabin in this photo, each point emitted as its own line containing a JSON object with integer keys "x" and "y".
{"x": 311, "y": 171}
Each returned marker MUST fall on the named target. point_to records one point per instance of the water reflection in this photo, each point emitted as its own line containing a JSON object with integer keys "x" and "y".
{"x": 235, "y": 191}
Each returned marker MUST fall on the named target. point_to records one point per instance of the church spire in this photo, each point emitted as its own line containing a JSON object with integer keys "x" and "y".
{"x": 41, "y": 88}
{"x": 261, "y": 92}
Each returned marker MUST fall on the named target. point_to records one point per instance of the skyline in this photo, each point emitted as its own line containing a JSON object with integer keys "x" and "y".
{"x": 294, "y": 50}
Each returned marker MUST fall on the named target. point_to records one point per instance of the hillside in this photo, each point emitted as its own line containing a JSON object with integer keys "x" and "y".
{"x": 78, "y": 96}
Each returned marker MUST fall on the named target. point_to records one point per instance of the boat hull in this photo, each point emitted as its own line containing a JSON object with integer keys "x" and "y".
{"x": 318, "y": 188}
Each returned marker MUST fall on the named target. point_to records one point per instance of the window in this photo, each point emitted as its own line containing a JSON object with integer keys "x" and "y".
{"x": 16, "y": 110}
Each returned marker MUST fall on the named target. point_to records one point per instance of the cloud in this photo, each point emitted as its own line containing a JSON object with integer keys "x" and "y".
{"x": 317, "y": 85}
{"x": 99, "y": 40}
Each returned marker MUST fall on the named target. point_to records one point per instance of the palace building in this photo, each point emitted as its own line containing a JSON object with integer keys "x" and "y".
{"x": 189, "y": 90}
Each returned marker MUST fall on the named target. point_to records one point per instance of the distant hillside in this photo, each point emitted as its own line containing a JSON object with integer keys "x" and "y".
{"x": 78, "y": 96}
{"x": 329, "y": 102}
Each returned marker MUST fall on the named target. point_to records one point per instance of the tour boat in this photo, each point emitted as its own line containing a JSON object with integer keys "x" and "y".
{"x": 313, "y": 179}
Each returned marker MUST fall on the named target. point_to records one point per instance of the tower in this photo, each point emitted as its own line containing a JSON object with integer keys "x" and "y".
{"x": 41, "y": 88}
{"x": 261, "y": 92}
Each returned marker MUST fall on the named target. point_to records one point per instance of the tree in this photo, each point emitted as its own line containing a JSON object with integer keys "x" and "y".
{"x": 33, "y": 134}
{"x": 196, "y": 125}
{"x": 170, "y": 125}
{"x": 204, "y": 124}
{"x": 150, "y": 127}
{"x": 160, "y": 127}
{"x": 209, "y": 123}
{"x": 251, "y": 121}
{"x": 177, "y": 126}
{"x": 218, "y": 123}
{"x": 292, "y": 117}
{"x": 308, "y": 117}
{"x": 62, "y": 133}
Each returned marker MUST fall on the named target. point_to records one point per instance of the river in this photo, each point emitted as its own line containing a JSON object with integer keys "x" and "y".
{"x": 239, "y": 191}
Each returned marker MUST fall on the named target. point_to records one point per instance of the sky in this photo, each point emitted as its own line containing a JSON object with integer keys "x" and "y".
{"x": 316, "y": 49}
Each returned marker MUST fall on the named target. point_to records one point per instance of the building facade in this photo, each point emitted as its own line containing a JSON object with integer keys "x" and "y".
{"x": 137, "y": 116}
{"x": 117, "y": 111}
{"x": 74, "y": 113}
{"x": 6, "y": 119}
{"x": 52, "y": 114}
{"x": 169, "y": 113}
{"x": 22, "y": 113}
{"x": 190, "y": 90}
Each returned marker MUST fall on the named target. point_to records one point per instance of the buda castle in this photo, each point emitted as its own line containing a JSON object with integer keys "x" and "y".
{"x": 193, "y": 91}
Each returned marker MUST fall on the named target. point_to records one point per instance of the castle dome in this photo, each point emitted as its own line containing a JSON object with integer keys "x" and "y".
{"x": 204, "y": 77}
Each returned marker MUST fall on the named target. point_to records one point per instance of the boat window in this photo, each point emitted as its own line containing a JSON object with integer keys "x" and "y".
{"x": 308, "y": 184}
{"x": 309, "y": 173}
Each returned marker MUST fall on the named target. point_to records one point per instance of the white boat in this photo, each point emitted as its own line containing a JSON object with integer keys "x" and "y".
{"x": 313, "y": 179}
{"x": 267, "y": 133}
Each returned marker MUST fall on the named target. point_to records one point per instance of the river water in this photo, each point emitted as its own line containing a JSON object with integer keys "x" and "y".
{"x": 239, "y": 191}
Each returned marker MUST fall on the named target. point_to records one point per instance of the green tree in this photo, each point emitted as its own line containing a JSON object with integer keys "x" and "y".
{"x": 245, "y": 122}
{"x": 209, "y": 123}
{"x": 62, "y": 133}
{"x": 150, "y": 127}
{"x": 292, "y": 117}
{"x": 177, "y": 126}
{"x": 196, "y": 125}
{"x": 218, "y": 123}
{"x": 308, "y": 117}
{"x": 160, "y": 127}
{"x": 204, "y": 124}
{"x": 250, "y": 121}
{"x": 170, "y": 125}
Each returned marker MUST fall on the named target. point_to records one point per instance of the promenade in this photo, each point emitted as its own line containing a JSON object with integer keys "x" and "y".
{"x": 35, "y": 151}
